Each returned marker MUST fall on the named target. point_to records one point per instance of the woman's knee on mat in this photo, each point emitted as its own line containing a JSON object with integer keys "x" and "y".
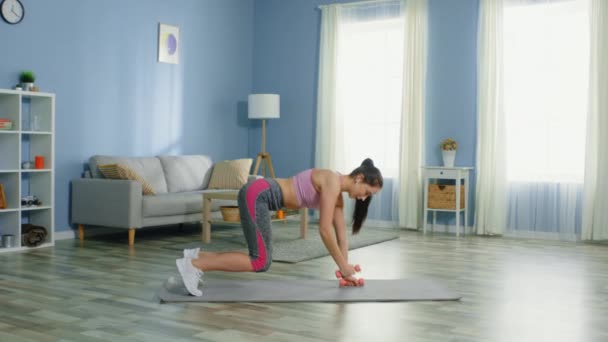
{"x": 265, "y": 267}
{"x": 261, "y": 263}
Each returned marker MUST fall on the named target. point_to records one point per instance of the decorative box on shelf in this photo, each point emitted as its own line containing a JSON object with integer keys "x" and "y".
{"x": 6, "y": 124}
{"x": 444, "y": 196}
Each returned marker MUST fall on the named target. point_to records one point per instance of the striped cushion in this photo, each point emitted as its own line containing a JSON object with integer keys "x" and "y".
{"x": 120, "y": 171}
{"x": 230, "y": 174}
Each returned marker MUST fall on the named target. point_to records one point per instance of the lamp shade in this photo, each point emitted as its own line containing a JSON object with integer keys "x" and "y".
{"x": 264, "y": 106}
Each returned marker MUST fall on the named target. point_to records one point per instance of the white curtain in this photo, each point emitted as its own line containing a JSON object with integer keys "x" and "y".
{"x": 409, "y": 182}
{"x": 533, "y": 61}
{"x": 328, "y": 130}
{"x": 546, "y": 58}
{"x": 595, "y": 202}
{"x": 490, "y": 208}
{"x": 363, "y": 98}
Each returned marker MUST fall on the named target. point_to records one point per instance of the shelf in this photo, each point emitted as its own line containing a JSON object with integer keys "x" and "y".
{"x": 35, "y": 208}
{"x": 12, "y": 249}
{"x": 26, "y": 94}
{"x": 36, "y": 132}
{"x": 447, "y": 210}
{"x": 32, "y": 135}
{"x": 288, "y": 213}
{"x": 25, "y": 132}
{"x": 24, "y": 248}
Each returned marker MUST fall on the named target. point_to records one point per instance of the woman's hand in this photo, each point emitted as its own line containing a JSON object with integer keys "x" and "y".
{"x": 348, "y": 273}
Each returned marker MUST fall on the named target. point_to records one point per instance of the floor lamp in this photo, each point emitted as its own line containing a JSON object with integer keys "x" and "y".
{"x": 264, "y": 106}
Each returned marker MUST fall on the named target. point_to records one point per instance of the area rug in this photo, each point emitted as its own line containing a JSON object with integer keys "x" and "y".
{"x": 287, "y": 245}
{"x": 308, "y": 290}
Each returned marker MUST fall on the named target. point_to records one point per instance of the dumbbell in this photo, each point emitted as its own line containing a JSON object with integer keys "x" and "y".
{"x": 344, "y": 282}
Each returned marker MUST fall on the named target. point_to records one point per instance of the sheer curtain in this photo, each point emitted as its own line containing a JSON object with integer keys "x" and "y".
{"x": 490, "y": 210}
{"x": 361, "y": 94}
{"x": 329, "y": 129}
{"x": 407, "y": 201}
{"x": 542, "y": 61}
{"x": 546, "y": 63}
{"x": 595, "y": 203}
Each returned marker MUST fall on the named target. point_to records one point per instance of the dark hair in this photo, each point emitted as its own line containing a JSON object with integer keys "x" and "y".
{"x": 372, "y": 176}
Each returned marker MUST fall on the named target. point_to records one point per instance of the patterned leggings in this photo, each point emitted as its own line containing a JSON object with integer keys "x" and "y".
{"x": 256, "y": 199}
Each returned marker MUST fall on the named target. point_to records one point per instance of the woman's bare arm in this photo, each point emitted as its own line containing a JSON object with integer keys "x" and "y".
{"x": 341, "y": 234}
{"x": 329, "y": 184}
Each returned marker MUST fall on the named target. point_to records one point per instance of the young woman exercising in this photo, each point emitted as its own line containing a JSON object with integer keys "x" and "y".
{"x": 314, "y": 188}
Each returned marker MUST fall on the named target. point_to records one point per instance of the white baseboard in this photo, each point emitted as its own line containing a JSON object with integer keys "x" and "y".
{"x": 541, "y": 235}
{"x": 65, "y": 235}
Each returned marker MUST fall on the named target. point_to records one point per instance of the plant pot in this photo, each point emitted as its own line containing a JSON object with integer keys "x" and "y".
{"x": 448, "y": 158}
{"x": 27, "y": 85}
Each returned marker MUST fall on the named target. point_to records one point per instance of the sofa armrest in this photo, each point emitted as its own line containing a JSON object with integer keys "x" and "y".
{"x": 107, "y": 202}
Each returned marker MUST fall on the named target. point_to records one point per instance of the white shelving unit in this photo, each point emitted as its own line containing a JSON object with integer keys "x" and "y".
{"x": 32, "y": 134}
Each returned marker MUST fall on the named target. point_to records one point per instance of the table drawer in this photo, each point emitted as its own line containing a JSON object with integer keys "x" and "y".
{"x": 448, "y": 174}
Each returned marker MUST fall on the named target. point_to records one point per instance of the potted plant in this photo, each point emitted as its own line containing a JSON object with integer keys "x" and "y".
{"x": 448, "y": 151}
{"x": 27, "y": 79}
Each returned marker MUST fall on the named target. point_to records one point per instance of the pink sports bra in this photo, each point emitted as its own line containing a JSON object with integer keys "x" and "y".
{"x": 306, "y": 194}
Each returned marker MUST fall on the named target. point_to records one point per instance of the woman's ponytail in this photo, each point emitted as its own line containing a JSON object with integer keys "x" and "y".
{"x": 372, "y": 176}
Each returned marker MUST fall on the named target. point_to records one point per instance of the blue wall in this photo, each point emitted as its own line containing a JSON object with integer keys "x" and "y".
{"x": 286, "y": 53}
{"x": 113, "y": 97}
{"x": 451, "y": 99}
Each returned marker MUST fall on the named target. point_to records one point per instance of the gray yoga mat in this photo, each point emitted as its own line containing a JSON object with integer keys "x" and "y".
{"x": 308, "y": 290}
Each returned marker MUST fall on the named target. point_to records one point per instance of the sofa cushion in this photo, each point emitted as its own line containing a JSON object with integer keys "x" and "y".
{"x": 148, "y": 167}
{"x": 186, "y": 173}
{"x": 119, "y": 171}
{"x": 178, "y": 203}
{"x": 230, "y": 174}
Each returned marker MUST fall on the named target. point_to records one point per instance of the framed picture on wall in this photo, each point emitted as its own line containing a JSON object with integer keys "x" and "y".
{"x": 2, "y": 198}
{"x": 168, "y": 44}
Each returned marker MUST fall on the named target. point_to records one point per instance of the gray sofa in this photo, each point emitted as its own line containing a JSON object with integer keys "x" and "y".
{"x": 179, "y": 182}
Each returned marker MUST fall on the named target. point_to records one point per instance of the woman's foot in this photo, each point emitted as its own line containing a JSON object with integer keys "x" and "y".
{"x": 190, "y": 275}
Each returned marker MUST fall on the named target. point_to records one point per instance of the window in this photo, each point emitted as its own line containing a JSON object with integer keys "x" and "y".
{"x": 546, "y": 73}
{"x": 368, "y": 91}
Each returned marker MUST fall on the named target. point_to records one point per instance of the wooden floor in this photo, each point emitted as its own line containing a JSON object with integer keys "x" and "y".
{"x": 513, "y": 290}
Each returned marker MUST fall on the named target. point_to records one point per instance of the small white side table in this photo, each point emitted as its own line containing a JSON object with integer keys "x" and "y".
{"x": 458, "y": 174}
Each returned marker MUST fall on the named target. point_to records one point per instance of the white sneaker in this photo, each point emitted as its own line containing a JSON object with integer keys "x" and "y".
{"x": 191, "y": 253}
{"x": 190, "y": 275}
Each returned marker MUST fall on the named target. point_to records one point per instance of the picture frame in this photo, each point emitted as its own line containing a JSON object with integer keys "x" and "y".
{"x": 168, "y": 44}
{"x": 2, "y": 197}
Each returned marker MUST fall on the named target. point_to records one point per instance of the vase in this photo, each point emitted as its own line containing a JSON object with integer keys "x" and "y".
{"x": 448, "y": 158}
{"x": 27, "y": 85}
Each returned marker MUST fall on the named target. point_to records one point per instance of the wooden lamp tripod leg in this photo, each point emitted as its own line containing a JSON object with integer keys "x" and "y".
{"x": 265, "y": 160}
{"x": 269, "y": 162}
{"x": 257, "y": 164}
